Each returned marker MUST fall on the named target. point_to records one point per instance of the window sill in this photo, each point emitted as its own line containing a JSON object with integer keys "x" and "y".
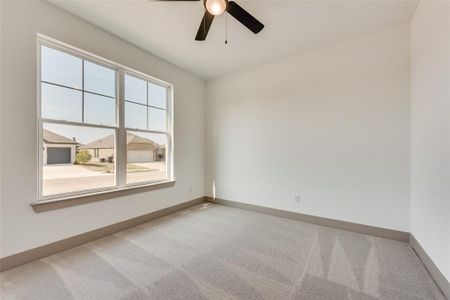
{"x": 45, "y": 205}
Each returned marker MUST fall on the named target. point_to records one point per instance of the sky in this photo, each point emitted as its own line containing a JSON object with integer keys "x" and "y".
{"x": 62, "y": 98}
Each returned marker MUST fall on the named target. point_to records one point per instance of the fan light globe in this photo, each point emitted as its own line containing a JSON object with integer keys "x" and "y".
{"x": 216, "y": 7}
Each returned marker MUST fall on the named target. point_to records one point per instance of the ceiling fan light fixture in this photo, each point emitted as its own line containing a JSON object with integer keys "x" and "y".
{"x": 216, "y": 7}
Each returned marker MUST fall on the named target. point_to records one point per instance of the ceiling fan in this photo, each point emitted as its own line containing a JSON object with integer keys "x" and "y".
{"x": 218, "y": 7}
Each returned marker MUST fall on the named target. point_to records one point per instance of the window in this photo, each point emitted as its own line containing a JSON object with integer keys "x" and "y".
{"x": 147, "y": 134}
{"x": 87, "y": 144}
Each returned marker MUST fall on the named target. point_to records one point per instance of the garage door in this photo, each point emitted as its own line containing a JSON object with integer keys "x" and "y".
{"x": 58, "y": 156}
{"x": 139, "y": 156}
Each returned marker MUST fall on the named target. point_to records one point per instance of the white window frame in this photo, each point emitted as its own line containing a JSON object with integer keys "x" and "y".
{"x": 120, "y": 129}
{"x": 169, "y": 120}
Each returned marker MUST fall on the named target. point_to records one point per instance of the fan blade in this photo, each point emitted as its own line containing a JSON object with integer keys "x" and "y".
{"x": 244, "y": 17}
{"x": 204, "y": 26}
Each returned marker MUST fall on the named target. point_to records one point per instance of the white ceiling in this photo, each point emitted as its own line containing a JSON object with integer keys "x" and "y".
{"x": 167, "y": 29}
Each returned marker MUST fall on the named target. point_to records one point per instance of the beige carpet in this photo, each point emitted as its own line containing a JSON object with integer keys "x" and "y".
{"x": 217, "y": 252}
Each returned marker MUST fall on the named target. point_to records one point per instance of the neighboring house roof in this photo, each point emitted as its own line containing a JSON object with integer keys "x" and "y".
{"x": 108, "y": 142}
{"x": 50, "y": 137}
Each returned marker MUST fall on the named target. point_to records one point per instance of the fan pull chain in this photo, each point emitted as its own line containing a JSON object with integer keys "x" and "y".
{"x": 226, "y": 28}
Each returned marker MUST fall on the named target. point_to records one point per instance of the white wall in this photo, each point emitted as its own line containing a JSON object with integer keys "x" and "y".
{"x": 332, "y": 125}
{"x": 21, "y": 227}
{"x": 430, "y": 156}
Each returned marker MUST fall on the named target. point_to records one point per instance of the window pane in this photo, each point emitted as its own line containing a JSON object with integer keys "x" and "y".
{"x": 68, "y": 159}
{"x": 99, "y": 79}
{"x": 146, "y": 157}
{"x": 135, "y": 89}
{"x": 156, "y": 119}
{"x": 99, "y": 110}
{"x": 60, "y": 103}
{"x": 135, "y": 116}
{"x": 61, "y": 68}
{"x": 157, "y": 95}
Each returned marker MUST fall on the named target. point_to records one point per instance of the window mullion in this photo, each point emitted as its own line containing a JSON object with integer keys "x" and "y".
{"x": 40, "y": 158}
{"x": 82, "y": 91}
{"x": 146, "y": 97}
{"x": 170, "y": 131}
{"x": 121, "y": 137}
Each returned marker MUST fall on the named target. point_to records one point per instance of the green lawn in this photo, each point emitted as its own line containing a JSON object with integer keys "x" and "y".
{"x": 109, "y": 167}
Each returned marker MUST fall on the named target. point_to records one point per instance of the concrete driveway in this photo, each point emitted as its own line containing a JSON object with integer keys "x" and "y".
{"x": 67, "y": 171}
{"x": 58, "y": 179}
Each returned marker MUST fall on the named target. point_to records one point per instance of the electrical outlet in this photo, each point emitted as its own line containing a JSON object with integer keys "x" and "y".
{"x": 297, "y": 198}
